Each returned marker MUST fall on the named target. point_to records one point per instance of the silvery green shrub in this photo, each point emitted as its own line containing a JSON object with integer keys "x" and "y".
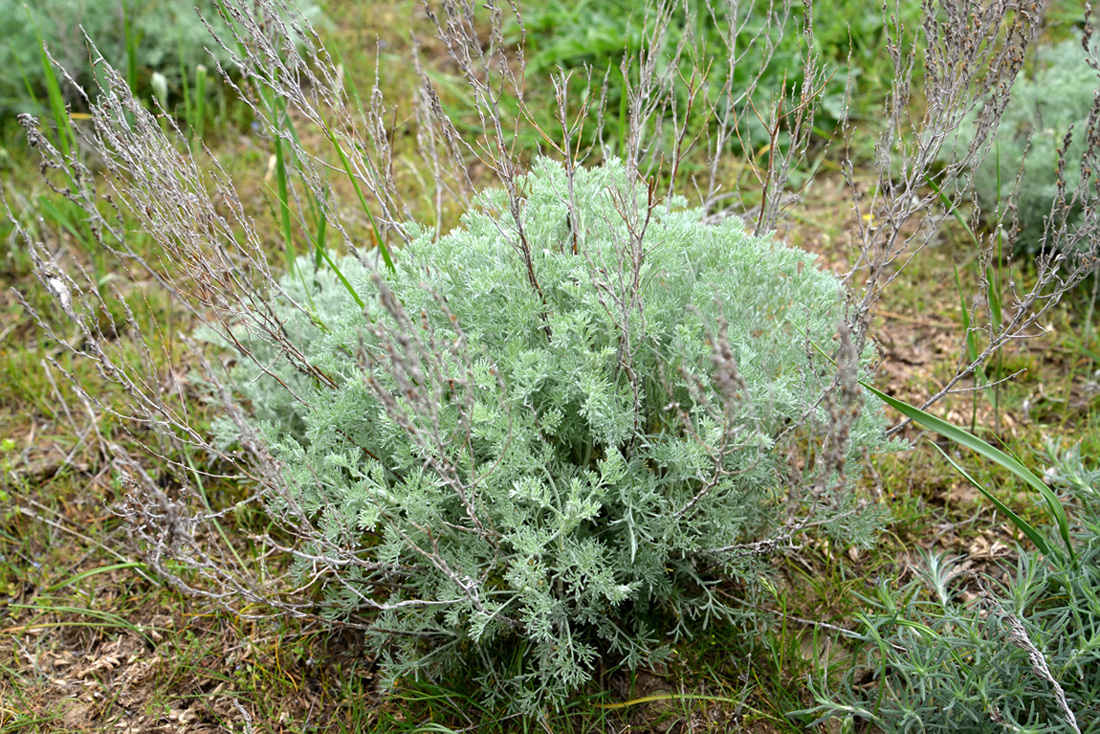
{"x": 529, "y": 478}
{"x": 1043, "y": 107}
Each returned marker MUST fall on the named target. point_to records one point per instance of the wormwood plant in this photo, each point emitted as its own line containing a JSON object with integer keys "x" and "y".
{"x": 562, "y": 463}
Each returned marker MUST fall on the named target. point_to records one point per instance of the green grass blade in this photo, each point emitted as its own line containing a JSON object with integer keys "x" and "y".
{"x": 28, "y": 85}
{"x": 59, "y": 214}
{"x": 971, "y": 344}
{"x": 106, "y": 619}
{"x": 346, "y": 163}
{"x": 994, "y": 279}
{"x": 953, "y": 210}
{"x": 320, "y": 239}
{"x": 284, "y": 207}
{"x": 363, "y": 203}
{"x": 284, "y": 201}
{"x": 283, "y": 194}
{"x": 131, "y": 46}
{"x": 92, "y": 572}
{"x": 343, "y": 280}
{"x": 1025, "y": 527}
{"x": 1054, "y": 507}
{"x": 66, "y": 139}
{"x": 1055, "y": 510}
{"x": 319, "y": 212}
{"x": 666, "y": 697}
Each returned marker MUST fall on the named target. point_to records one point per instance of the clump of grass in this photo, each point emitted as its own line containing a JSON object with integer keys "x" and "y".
{"x": 951, "y": 651}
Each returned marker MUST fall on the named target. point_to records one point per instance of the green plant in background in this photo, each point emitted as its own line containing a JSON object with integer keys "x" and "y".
{"x": 1022, "y": 656}
{"x": 527, "y": 467}
{"x": 597, "y": 34}
{"x": 162, "y": 36}
{"x": 1045, "y": 104}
